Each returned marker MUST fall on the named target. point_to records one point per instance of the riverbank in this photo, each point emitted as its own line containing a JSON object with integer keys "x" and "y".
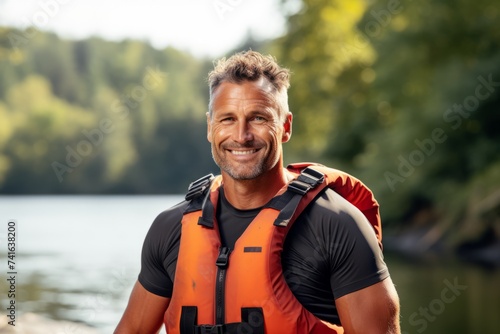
{"x": 429, "y": 242}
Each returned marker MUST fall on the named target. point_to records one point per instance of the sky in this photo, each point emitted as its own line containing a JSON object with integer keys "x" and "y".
{"x": 201, "y": 27}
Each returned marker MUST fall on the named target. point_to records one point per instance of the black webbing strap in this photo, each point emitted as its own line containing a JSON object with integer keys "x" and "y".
{"x": 199, "y": 196}
{"x": 189, "y": 318}
{"x": 195, "y": 191}
{"x": 207, "y": 213}
{"x": 252, "y": 322}
{"x": 288, "y": 202}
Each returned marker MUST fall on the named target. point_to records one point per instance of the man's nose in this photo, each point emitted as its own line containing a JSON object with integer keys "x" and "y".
{"x": 243, "y": 132}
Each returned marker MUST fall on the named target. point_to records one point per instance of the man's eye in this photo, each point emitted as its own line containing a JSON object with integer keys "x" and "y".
{"x": 259, "y": 119}
{"x": 227, "y": 120}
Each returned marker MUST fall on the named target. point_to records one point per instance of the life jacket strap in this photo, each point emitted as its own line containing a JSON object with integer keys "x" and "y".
{"x": 309, "y": 178}
{"x": 195, "y": 191}
{"x": 252, "y": 322}
{"x": 197, "y": 187}
{"x": 288, "y": 202}
{"x": 210, "y": 329}
{"x": 207, "y": 212}
{"x": 198, "y": 196}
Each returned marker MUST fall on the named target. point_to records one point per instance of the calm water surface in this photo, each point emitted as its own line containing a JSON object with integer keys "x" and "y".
{"x": 78, "y": 257}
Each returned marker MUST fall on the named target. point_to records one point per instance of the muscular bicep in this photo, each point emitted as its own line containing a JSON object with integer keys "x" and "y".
{"x": 144, "y": 312}
{"x": 159, "y": 253}
{"x": 355, "y": 258}
{"x": 374, "y": 309}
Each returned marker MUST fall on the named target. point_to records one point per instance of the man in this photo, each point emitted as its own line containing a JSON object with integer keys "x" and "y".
{"x": 336, "y": 280}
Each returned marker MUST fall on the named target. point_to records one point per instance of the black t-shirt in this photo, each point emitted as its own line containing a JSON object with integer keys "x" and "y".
{"x": 330, "y": 251}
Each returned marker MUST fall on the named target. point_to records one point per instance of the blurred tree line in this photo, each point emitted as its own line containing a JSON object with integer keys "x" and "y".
{"x": 403, "y": 94}
{"x": 94, "y": 116}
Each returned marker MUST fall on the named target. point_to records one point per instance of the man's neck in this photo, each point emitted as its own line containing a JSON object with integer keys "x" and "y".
{"x": 251, "y": 194}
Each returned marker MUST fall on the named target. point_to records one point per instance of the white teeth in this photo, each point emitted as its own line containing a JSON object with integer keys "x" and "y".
{"x": 243, "y": 152}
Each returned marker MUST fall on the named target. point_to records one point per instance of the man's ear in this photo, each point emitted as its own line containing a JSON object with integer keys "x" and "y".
{"x": 209, "y": 128}
{"x": 287, "y": 128}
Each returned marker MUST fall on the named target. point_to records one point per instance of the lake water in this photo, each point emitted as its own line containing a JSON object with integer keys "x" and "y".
{"x": 78, "y": 257}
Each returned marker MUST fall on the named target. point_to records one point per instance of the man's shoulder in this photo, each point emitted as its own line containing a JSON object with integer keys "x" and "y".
{"x": 332, "y": 214}
{"x": 329, "y": 202}
{"x": 170, "y": 217}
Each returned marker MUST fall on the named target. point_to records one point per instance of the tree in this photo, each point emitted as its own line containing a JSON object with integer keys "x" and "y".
{"x": 409, "y": 107}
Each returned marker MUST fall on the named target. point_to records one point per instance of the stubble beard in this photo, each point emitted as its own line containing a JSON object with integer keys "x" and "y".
{"x": 242, "y": 172}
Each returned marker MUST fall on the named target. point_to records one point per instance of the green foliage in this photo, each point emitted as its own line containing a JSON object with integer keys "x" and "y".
{"x": 435, "y": 69}
{"x": 321, "y": 43}
{"x": 411, "y": 108}
{"x": 93, "y": 116}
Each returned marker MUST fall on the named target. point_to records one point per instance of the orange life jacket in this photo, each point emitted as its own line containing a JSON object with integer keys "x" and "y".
{"x": 217, "y": 290}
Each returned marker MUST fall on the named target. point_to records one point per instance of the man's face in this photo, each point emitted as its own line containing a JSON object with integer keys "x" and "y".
{"x": 246, "y": 130}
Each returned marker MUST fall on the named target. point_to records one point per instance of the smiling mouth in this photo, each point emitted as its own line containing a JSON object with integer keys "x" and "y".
{"x": 243, "y": 152}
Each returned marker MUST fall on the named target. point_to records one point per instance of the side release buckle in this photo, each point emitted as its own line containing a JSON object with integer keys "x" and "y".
{"x": 199, "y": 186}
{"x": 309, "y": 178}
{"x": 223, "y": 258}
{"x": 209, "y": 329}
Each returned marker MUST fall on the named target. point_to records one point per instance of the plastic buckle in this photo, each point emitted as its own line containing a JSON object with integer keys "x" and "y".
{"x": 199, "y": 186}
{"x": 223, "y": 258}
{"x": 308, "y": 179}
{"x": 209, "y": 329}
{"x": 299, "y": 187}
{"x": 311, "y": 177}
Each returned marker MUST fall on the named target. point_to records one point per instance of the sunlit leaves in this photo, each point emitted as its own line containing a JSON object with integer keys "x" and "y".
{"x": 374, "y": 80}
{"x": 323, "y": 42}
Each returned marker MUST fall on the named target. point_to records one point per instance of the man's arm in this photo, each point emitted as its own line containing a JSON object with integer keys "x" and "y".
{"x": 144, "y": 312}
{"x": 374, "y": 310}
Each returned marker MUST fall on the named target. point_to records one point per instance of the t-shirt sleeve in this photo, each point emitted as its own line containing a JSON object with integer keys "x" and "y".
{"x": 159, "y": 252}
{"x": 353, "y": 253}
